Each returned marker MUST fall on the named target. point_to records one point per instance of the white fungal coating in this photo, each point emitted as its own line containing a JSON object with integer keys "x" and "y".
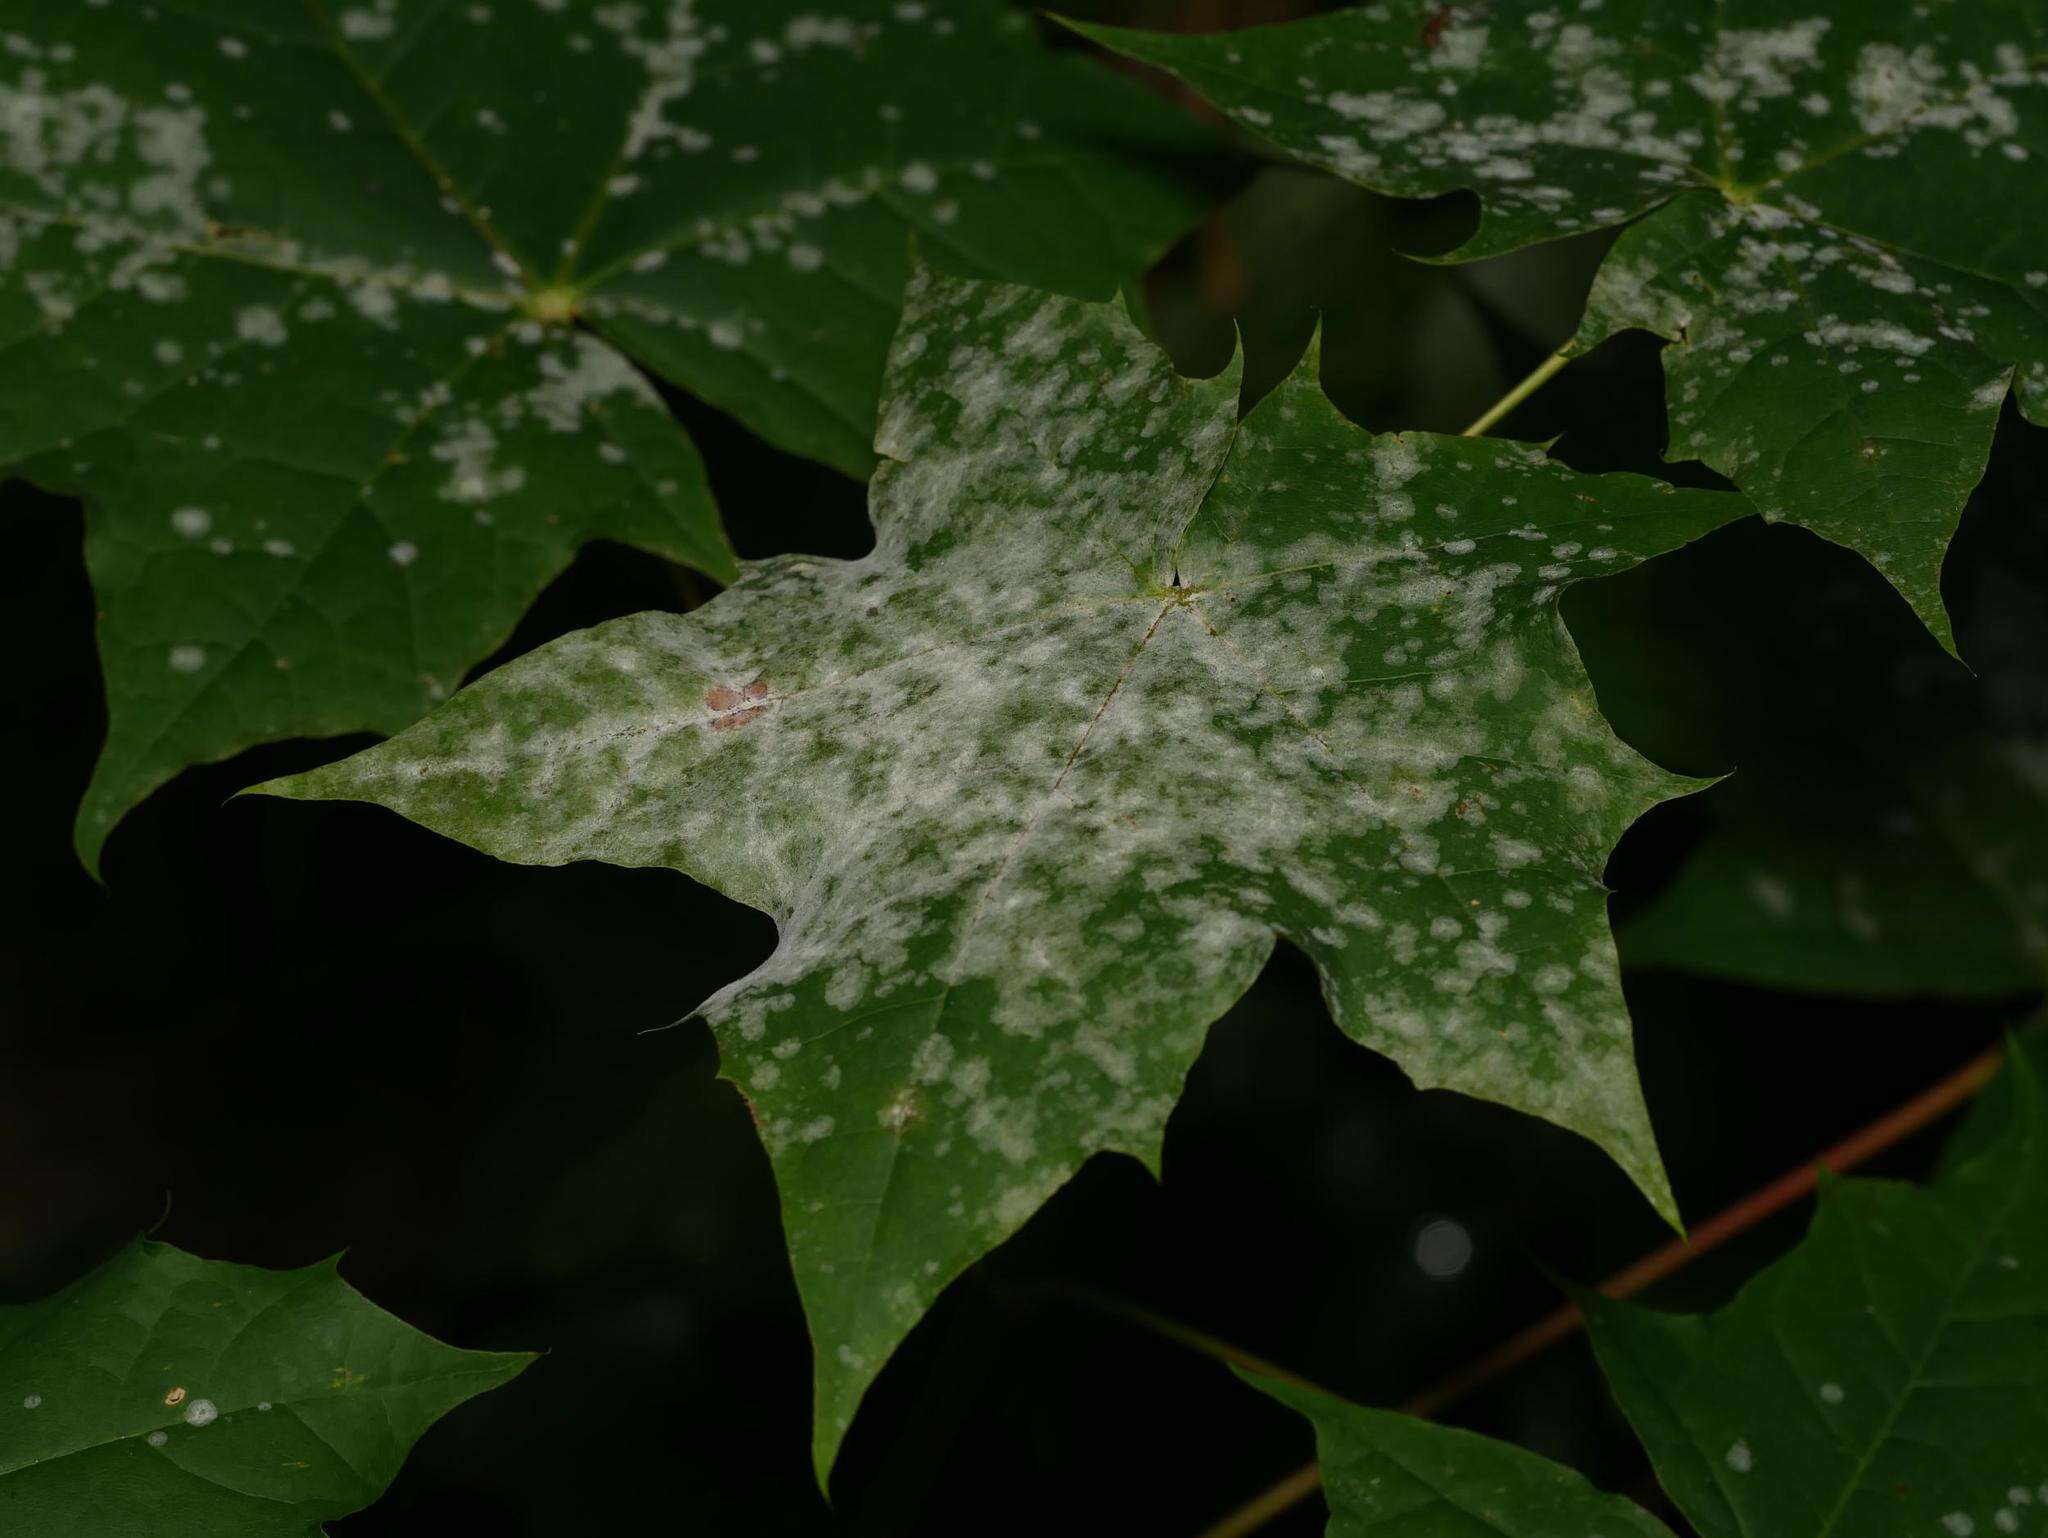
{"x": 1839, "y": 229}
{"x": 188, "y": 259}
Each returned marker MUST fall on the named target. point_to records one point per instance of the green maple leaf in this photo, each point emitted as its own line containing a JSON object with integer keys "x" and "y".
{"x": 1837, "y": 212}
{"x": 168, "y": 1394}
{"x": 1125, "y": 689}
{"x": 1388, "y": 1475}
{"x": 287, "y": 293}
{"x": 1887, "y": 1379}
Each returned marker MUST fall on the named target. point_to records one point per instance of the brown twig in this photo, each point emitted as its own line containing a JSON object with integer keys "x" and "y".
{"x": 1897, "y": 1124}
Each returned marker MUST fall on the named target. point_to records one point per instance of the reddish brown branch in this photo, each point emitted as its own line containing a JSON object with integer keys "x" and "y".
{"x": 1896, "y": 1125}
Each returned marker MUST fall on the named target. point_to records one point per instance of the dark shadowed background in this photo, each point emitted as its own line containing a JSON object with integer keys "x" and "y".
{"x": 285, "y": 1030}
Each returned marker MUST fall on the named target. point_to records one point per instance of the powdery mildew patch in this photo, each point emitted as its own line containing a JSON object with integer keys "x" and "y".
{"x": 311, "y": 269}
{"x": 1840, "y": 223}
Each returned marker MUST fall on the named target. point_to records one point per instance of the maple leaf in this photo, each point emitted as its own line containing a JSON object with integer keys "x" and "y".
{"x": 1126, "y": 689}
{"x": 1836, "y": 218}
{"x": 165, "y": 1393}
{"x": 332, "y": 312}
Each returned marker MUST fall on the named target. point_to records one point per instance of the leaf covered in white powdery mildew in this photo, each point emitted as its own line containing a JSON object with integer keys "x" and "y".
{"x": 287, "y": 293}
{"x": 1842, "y": 229}
{"x": 1125, "y": 689}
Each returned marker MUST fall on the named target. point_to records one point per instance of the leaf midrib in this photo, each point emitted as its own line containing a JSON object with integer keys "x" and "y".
{"x": 316, "y": 11}
{"x": 940, "y": 1000}
{"x": 426, "y": 285}
{"x": 360, "y": 499}
{"x": 48, "y": 1315}
{"x": 1180, "y": 599}
{"x": 382, "y": 1386}
{"x": 1908, "y": 122}
{"x": 1912, "y": 1385}
{"x": 1047, "y": 616}
{"x": 1282, "y": 93}
{"x": 734, "y": 218}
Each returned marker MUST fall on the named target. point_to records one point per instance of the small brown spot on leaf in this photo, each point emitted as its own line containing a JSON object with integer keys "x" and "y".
{"x": 176, "y": 1396}
{"x": 735, "y": 707}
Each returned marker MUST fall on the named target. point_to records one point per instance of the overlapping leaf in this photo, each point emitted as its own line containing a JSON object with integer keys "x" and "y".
{"x": 1125, "y": 689}
{"x": 1389, "y": 1475}
{"x": 286, "y": 285}
{"x": 1840, "y": 224}
{"x": 1887, "y": 1379}
{"x": 167, "y": 1394}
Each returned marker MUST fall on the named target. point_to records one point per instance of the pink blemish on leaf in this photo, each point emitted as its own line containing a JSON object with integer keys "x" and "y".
{"x": 734, "y": 707}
